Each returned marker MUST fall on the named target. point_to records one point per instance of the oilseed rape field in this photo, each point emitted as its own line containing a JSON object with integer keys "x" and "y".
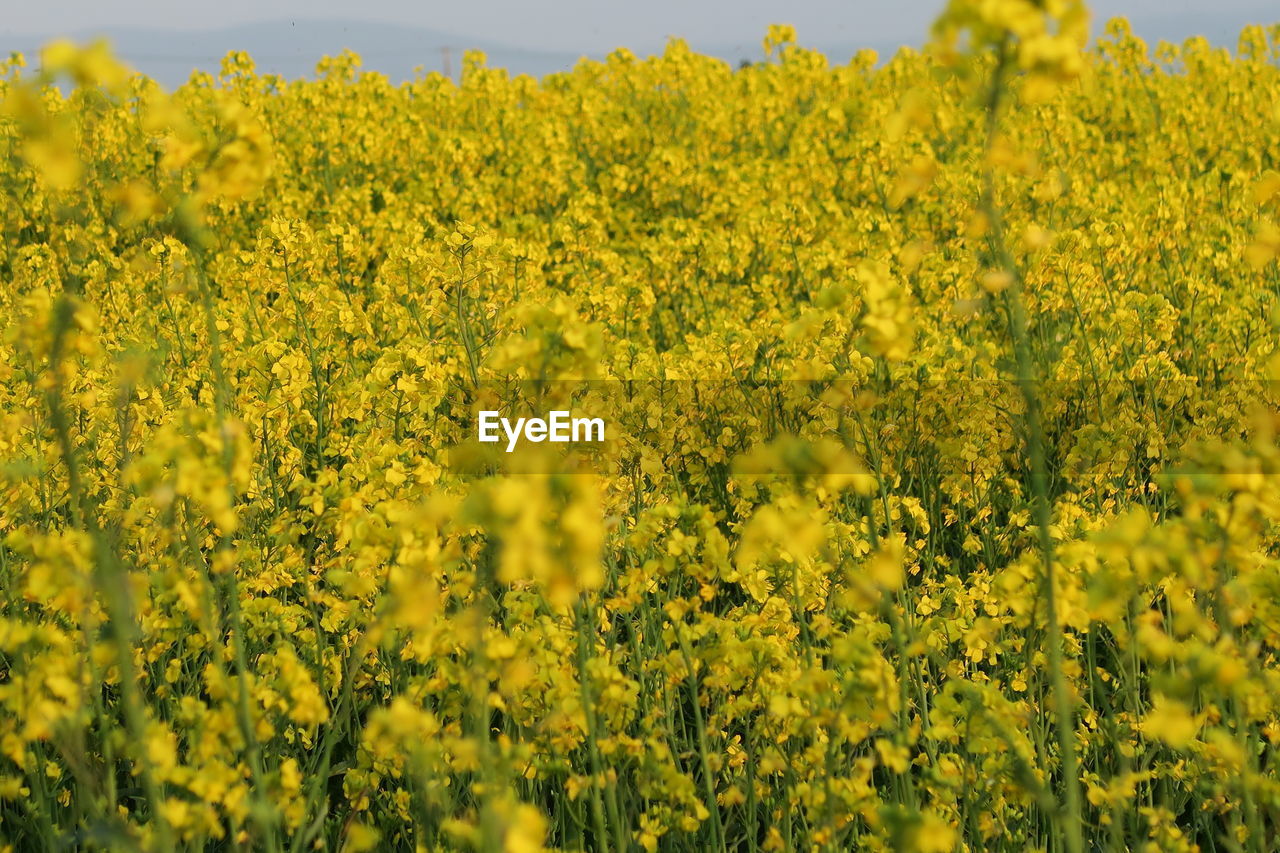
{"x": 935, "y": 508}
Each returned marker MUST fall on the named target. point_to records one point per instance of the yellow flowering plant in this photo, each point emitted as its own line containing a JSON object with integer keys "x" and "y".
{"x": 936, "y": 509}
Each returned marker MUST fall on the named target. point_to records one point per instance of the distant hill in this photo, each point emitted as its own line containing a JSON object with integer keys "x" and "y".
{"x": 292, "y": 47}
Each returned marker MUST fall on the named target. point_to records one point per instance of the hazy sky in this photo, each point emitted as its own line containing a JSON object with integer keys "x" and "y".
{"x": 589, "y": 25}
{"x": 167, "y": 39}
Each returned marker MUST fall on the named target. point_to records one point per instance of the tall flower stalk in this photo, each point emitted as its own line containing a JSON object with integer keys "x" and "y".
{"x": 1016, "y": 36}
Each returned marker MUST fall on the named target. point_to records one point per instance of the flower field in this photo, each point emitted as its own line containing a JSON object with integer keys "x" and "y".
{"x": 938, "y": 508}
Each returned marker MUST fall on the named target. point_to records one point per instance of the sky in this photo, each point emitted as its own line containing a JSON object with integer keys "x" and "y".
{"x": 562, "y": 24}
{"x": 174, "y": 34}
{"x": 555, "y": 25}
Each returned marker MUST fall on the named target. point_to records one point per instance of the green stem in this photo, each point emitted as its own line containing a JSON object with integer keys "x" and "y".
{"x": 110, "y": 575}
{"x": 1070, "y": 808}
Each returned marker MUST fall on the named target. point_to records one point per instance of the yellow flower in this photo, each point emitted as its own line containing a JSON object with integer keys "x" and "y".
{"x": 1171, "y": 721}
